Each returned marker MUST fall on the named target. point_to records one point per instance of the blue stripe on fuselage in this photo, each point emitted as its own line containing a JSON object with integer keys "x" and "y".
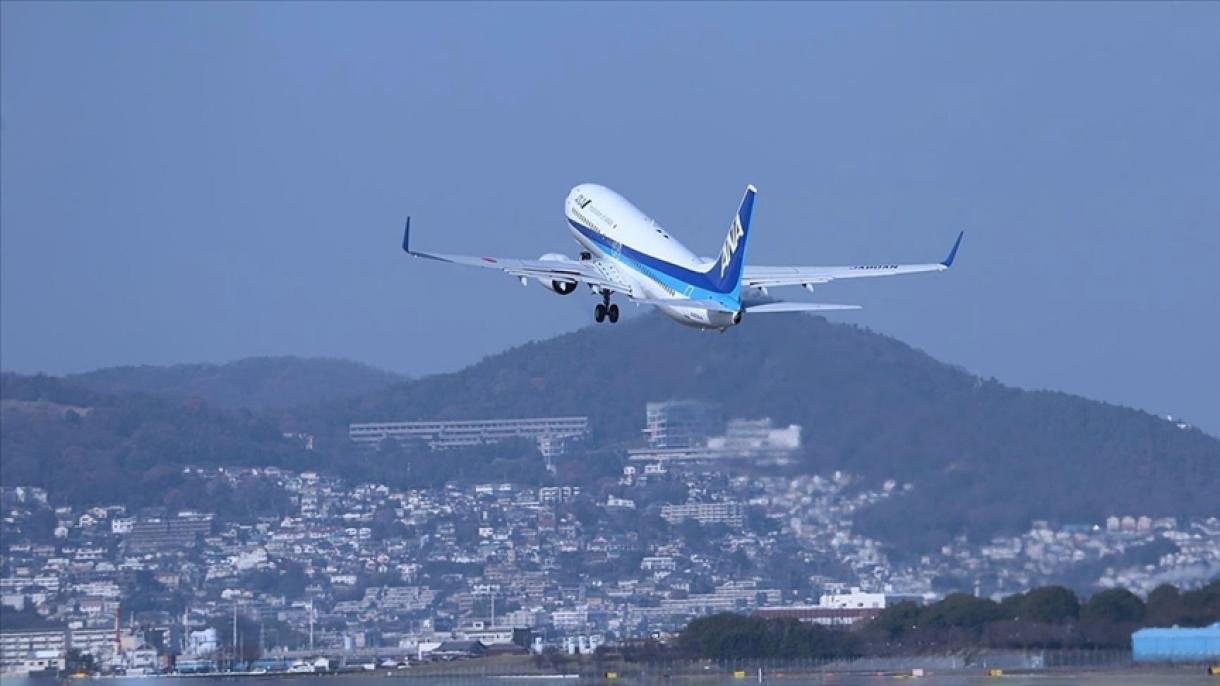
{"x": 671, "y": 275}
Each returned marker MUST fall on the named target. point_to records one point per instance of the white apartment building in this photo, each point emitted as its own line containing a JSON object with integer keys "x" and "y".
{"x": 729, "y": 513}
{"x": 551, "y": 433}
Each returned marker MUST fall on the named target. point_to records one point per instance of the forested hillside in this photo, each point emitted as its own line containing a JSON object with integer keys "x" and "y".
{"x": 87, "y": 447}
{"x": 983, "y": 456}
{"x": 253, "y": 383}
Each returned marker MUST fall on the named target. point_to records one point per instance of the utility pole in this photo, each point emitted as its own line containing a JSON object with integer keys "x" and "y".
{"x": 311, "y": 625}
{"x": 234, "y": 636}
{"x": 118, "y": 640}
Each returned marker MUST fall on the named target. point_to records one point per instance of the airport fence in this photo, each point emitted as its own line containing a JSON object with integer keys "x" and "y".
{"x": 588, "y": 670}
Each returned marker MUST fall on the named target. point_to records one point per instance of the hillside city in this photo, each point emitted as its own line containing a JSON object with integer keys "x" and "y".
{"x": 702, "y": 519}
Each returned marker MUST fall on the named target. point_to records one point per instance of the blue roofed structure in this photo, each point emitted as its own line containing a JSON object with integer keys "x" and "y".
{"x": 1179, "y": 644}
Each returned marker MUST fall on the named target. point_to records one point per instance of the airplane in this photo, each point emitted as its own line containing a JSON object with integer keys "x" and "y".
{"x": 624, "y": 251}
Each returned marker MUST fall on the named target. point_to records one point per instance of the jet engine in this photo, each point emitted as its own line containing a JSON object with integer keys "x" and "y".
{"x": 560, "y": 287}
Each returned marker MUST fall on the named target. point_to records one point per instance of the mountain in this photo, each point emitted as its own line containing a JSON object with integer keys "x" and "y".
{"x": 983, "y": 457}
{"x": 254, "y": 383}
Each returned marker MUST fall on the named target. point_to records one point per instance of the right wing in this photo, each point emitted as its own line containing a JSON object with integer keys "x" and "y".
{"x": 765, "y": 277}
{"x": 547, "y": 270}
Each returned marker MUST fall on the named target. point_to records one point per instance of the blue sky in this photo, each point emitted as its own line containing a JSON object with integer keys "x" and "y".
{"x": 202, "y": 182}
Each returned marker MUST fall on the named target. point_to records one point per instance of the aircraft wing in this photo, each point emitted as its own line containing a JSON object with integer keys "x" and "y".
{"x": 569, "y": 271}
{"x": 765, "y": 277}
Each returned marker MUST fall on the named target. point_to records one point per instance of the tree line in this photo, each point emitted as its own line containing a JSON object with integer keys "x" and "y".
{"x": 1048, "y": 617}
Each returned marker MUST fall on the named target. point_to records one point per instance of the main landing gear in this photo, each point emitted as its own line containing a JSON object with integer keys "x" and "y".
{"x": 605, "y": 310}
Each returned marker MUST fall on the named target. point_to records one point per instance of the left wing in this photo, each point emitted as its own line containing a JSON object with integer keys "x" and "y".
{"x": 546, "y": 270}
{"x": 765, "y": 277}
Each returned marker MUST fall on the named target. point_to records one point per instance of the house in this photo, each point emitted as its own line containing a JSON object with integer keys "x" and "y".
{"x": 452, "y": 650}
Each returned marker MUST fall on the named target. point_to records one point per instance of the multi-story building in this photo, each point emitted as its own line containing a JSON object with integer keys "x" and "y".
{"x": 729, "y": 513}
{"x": 17, "y": 584}
{"x": 181, "y": 531}
{"x": 100, "y": 643}
{"x": 854, "y": 598}
{"x": 681, "y": 423}
{"x": 17, "y": 648}
{"x": 551, "y": 433}
{"x": 752, "y": 436}
{"x": 835, "y": 608}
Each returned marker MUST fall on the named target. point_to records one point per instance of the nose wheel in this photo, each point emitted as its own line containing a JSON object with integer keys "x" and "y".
{"x": 605, "y": 310}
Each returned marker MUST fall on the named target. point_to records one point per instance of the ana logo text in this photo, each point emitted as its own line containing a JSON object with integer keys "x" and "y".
{"x": 730, "y": 245}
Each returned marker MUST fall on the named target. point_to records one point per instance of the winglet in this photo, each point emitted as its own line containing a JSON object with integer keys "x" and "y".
{"x": 953, "y": 253}
{"x": 406, "y": 237}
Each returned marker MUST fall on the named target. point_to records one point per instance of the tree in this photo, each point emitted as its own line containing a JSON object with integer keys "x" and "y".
{"x": 693, "y": 534}
{"x": 1109, "y": 617}
{"x": 1012, "y": 604}
{"x": 385, "y": 523}
{"x": 962, "y": 611}
{"x": 41, "y": 524}
{"x": 76, "y": 662}
{"x": 1164, "y": 606}
{"x": 1113, "y": 606}
{"x": 293, "y": 580}
{"x": 1050, "y": 605}
{"x": 1201, "y": 606}
{"x": 897, "y": 620}
{"x": 758, "y": 521}
{"x": 733, "y": 636}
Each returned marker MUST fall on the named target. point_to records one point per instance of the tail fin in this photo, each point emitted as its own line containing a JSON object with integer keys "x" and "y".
{"x": 725, "y": 273}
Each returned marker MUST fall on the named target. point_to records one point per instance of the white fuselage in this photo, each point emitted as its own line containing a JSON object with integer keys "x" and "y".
{"x": 641, "y": 253}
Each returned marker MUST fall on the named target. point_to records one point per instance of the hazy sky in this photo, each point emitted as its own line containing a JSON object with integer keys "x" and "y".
{"x": 211, "y": 181}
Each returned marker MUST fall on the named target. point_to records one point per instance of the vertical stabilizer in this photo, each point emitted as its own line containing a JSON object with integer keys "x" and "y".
{"x": 725, "y": 273}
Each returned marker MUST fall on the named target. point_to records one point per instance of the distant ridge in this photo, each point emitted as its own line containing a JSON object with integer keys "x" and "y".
{"x": 89, "y": 447}
{"x": 254, "y": 383}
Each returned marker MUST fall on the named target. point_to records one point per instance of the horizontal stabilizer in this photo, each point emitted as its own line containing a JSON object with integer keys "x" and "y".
{"x": 798, "y": 307}
{"x": 685, "y": 302}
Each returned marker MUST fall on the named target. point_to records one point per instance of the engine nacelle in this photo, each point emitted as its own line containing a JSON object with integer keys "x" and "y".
{"x": 560, "y": 287}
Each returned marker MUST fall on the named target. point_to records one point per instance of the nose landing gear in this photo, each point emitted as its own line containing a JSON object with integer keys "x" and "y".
{"x": 605, "y": 310}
